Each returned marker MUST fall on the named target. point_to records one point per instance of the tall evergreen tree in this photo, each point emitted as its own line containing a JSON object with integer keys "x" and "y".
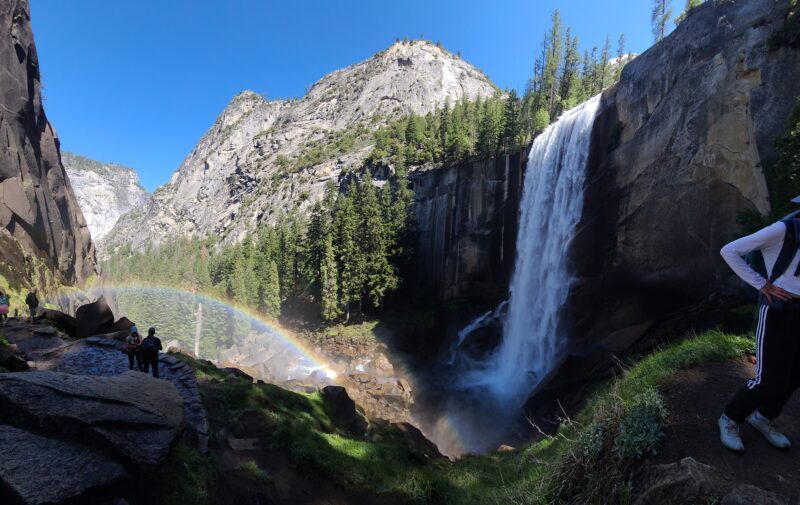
{"x": 511, "y": 126}
{"x": 662, "y": 12}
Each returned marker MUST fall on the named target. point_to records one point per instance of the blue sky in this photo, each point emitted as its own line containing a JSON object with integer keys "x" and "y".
{"x": 137, "y": 82}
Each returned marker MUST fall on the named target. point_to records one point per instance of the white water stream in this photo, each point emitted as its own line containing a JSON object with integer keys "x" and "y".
{"x": 550, "y": 209}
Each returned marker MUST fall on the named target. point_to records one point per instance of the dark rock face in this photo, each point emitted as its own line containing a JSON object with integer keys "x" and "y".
{"x": 94, "y": 318}
{"x": 41, "y": 226}
{"x": 677, "y": 153}
{"x": 467, "y": 219}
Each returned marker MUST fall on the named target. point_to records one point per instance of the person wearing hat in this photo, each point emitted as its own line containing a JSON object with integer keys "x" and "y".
{"x": 777, "y": 373}
{"x": 149, "y": 349}
{"x": 131, "y": 347}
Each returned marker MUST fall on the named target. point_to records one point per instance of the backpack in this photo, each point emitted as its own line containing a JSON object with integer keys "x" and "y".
{"x": 791, "y": 242}
{"x": 151, "y": 344}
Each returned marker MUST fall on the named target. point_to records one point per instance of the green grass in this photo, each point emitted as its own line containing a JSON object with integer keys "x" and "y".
{"x": 590, "y": 456}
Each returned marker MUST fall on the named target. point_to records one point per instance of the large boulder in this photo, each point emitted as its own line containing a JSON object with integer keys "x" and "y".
{"x": 687, "y": 481}
{"x": 133, "y": 416}
{"x": 63, "y": 322}
{"x": 94, "y": 318}
{"x": 37, "y": 470}
{"x": 342, "y": 410}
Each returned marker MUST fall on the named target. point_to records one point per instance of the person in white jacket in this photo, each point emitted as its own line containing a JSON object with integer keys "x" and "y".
{"x": 777, "y": 373}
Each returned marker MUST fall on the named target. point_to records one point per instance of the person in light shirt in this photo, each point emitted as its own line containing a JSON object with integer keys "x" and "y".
{"x": 777, "y": 373}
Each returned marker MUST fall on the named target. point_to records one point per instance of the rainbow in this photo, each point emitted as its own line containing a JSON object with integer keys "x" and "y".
{"x": 258, "y": 321}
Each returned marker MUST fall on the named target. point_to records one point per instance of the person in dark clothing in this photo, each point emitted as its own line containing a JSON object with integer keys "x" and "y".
{"x": 131, "y": 347}
{"x": 32, "y": 301}
{"x": 149, "y": 351}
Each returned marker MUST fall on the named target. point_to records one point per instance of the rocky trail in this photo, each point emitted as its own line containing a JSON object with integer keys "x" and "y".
{"x": 692, "y": 465}
{"x": 79, "y": 427}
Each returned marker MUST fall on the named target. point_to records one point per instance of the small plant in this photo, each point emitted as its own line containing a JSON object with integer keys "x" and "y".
{"x": 253, "y": 471}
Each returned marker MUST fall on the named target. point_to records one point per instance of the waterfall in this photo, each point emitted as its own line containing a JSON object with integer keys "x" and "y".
{"x": 552, "y": 202}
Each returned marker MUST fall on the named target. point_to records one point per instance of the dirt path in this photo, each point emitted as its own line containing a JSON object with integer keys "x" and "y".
{"x": 695, "y": 399}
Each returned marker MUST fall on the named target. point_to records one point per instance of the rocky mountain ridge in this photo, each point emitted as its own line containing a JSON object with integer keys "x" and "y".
{"x": 262, "y": 158}
{"x": 105, "y": 191}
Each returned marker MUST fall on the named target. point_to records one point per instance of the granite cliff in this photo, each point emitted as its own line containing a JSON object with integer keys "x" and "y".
{"x": 43, "y": 235}
{"x": 262, "y": 158}
{"x": 105, "y": 191}
{"x": 678, "y": 152}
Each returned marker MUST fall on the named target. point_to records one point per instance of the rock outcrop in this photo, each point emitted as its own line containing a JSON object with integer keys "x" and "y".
{"x": 467, "y": 220}
{"x": 84, "y": 439}
{"x": 105, "y": 191}
{"x": 254, "y": 163}
{"x": 43, "y": 234}
{"x": 678, "y": 152}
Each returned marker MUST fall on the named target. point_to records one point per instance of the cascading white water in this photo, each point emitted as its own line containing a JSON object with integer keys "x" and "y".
{"x": 551, "y": 206}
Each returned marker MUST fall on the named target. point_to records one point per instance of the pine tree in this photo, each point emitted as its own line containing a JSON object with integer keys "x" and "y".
{"x": 511, "y": 126}
{"x": 622, "y": 57}
{"x": 662, "y": 12}
{"x": 349, "y": 256}
{"x": 555, "y": 44}
{"x": 690, "y": 4}
{"x": 605, "y": 56}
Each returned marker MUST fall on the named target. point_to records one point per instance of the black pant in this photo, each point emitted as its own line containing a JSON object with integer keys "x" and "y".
{"x": 777, "y": 365}
{"x": 150, "y": 359}
{"x": 138, "y": 358}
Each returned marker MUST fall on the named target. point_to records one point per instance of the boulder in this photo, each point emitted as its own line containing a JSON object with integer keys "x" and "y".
{"x": 745, "y": 494}
{"x": 94, "y": 318}
{"x": 133, "y": 415}
{"x": 173, "y": 347}
{"x": 687, "y": 481}
{"x": 419, "y": 448}
{"x": 122, "y": 324}
{"x": 342, "y": 410}
{"x": 38, "y": 470}
{"x": 62, "y": 321}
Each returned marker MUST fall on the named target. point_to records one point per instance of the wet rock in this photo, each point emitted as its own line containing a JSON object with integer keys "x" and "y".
{"x": 343, "y": 410}
{"x": 687, "y": 481}
{"x": 136, "y": 416}
{"x": 745, "y": 494}
{"x": 15, "y": 363}
{"x": 63, "y": 322}
{"x": 94, "y": 318}
{"x": 41, "y": 470}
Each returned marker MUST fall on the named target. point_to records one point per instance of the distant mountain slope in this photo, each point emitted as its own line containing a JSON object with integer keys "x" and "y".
{"x": 261, "y": 158}
{"x": 43, "y": 235}
{"x": 105, "y": 191}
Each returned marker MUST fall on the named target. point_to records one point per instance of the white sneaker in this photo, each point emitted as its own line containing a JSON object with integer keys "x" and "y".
{"x": 764, "y": 426}
{"x": 729, "y": 434}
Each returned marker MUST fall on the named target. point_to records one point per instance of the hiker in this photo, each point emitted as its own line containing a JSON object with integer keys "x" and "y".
{"x": 32, "y": 301}
{"x": 131, "y": 347}
{"x": 3, "y": 306}
{"x": 762, "y": 398}
{"x": 149, "y": 351}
